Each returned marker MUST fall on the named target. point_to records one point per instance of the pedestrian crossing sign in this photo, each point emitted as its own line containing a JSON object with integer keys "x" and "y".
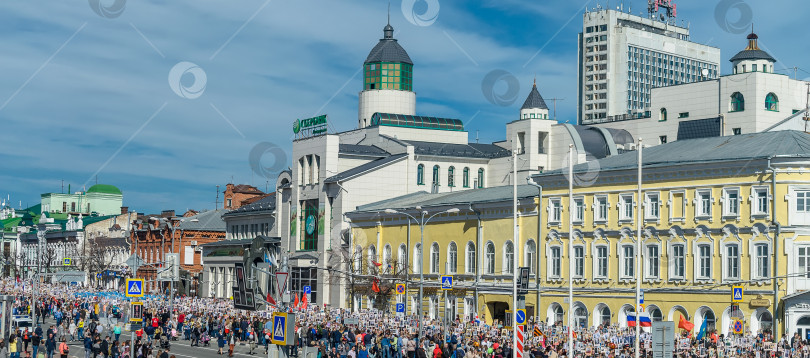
{"x": 737, "y": 294}
{"x": 282, "y": 330}
{"x": 400, "y": 288}
{"x": 447, "y": 282}
{"x": 66, "y": 262}
{"x": 134, "y": 287}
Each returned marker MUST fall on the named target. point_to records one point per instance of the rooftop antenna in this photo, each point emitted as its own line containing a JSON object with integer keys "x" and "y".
{"x": 476, "y": 136}
{"x": 216, "y": 201}
{"x": 389, "y": 12}
{"x": 555, "y": 105}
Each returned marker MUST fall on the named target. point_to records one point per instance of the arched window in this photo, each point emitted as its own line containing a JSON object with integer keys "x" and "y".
{"x": 452, "y": 258}
{"x": 435, "y": 175}
{"x": 489, "y": 259}
{"x": 604, "y": 316}
{"x": 771, "y": 102}
{"x": 451, "y": 176}
{"x": 663, "y": 116}
{"x": 372, "y": 256}
{"x": 387, "y": 256}
{"x": 420, "y": 174}
{"x": 508, "y": 257}
{"x": 417, "y": 258}
{"x": 434, "y": 258}
{"x": 481, "y": 177}
{"x": 469, "y": 264}
{"x": 530, "y": 252}
{"x": 737, "y": 102}
{"x": 358, "y": 259}
{"x": 765, "y": 321}
{"x": 402, "y": 258}
{"x": 558, "y": 314}
{"x": 580, "y": 316}
{"x": 466, "y": 177}
{"x": 708, "y": 316}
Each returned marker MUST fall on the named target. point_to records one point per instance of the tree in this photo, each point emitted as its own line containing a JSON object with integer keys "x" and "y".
{"x": 358, "y": 272}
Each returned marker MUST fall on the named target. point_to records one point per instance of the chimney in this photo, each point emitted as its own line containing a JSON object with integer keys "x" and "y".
{"x": 124, "y": 210}
{"x": 167, "y": 213}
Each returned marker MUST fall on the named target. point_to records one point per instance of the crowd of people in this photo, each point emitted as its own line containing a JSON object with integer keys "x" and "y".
{"x": 95, "y": 321}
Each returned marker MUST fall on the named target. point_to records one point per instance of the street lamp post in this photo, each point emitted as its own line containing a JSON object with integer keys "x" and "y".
{"x": 171, "y": 283}
{"x": 422, "y": 224}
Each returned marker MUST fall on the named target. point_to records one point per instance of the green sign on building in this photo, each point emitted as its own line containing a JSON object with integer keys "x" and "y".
{"x": 310, "y": 126}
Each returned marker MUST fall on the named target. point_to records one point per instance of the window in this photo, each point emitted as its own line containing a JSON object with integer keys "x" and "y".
{"x": 704, "y": 203}
{"x": 435, "y": 175}
{"x": 771, "y": 103}
{"x": 471, "y": 259}
{"x": 465, "y": 179}
{"x": 662, "y": 139}
{"x": 556, "y": 210}
{"x": 601, "y": 208}
{"x": 704, "y": 262}
{"x": 451, "y": 176}
{"x": 653, "y": 260}
{"x": 579, "y": 209}
{"x": 530, "y": 252}
{"x": 509, "y": 258}
{"x": 372, "y": 257}
{"x": 604, "y": 316}
{"x": 358, "y": 259}
{"x": 663, "y": 116}
{"x": 420, "y": 174}
{"x": 489, "y": 259}
{"x": 683, "y": 115}
{"x": 417, "y": 258}
{"x": 558, "y": 314}
{"x": 652, "y": 207}
{"x": 760, "y": 206}
{"x": 601, "y": 261}
{"x": 579, "y": 261}
{"x": 678, "y": 261}
{"x": 754, "y": 68}
{"x": 804, "y": 260}
{"x": 655, "y": 315}
{"x": 626, "y": 207}
{"x": 731, "y": 202}
{"x": 628, "y": 269}
{"x": 736, "y": 131}
{"x": 732, "y": 261}
{"x": 555, "y": 262}
{"x": 737, "y": 102}
{"x": 229, "y": 201}
{"x": 481, "y": 178}
{"x": 73, "y": 207}
{"x": 403, "y": 259}
{"x": 434, "y": 258}
{"x": 762, "y": 260}
{"x": 803, "y": 201}
{"x": 452, "y": 258}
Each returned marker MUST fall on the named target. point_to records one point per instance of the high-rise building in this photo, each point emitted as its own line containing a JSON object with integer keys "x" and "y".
{"x": 622, "y": 57}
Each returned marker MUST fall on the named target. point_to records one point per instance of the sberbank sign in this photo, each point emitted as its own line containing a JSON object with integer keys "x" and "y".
{"x": 311, "y": 126}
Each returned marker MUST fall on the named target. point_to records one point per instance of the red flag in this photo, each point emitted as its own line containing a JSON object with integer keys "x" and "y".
{"x": 304, "y": 301}
{"x": 684, "y": 324}
{"x": 376, "y": 263}
{"x": 295, "y": 304}
{"x": 375, "y": 287}
{"x": 271, "y": 300}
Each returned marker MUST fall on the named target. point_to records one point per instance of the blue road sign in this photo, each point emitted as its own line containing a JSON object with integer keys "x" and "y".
{"x": 520, "y": 316}
{"x": 737, "y": 294}
{"x": 447, "y": 282}
{"x": 279, "y": 329}
{"x": 134, "y": 287}
{"x": 641, "y": 297}
{"x": 307, "y": 289}
{"x": 400, "y": 307}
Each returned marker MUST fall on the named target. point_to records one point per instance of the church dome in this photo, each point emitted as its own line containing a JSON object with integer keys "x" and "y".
{"x": 104, "y": 189}
{"x": 752, "y": 51}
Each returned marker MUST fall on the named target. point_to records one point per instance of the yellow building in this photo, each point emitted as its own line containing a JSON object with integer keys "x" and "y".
{"x": 714, "y": 216}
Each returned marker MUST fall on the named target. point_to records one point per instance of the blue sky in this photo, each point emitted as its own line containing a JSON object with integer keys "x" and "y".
{"x": 86, "y": 83}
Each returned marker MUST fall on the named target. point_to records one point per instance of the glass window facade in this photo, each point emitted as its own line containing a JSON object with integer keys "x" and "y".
{"x": 386, "y": 75}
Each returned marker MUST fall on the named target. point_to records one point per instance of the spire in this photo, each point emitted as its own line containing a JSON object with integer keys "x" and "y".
{"x": 388, "y": 30}
{"x": 534, "y": 100}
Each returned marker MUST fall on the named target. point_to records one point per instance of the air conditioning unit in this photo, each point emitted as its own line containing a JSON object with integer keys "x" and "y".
{"x": 198, "y": 249}
{"x": 193, "y": 242}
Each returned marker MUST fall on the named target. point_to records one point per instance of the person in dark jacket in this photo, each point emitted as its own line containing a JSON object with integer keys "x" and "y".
{"x": 50, "y": 345}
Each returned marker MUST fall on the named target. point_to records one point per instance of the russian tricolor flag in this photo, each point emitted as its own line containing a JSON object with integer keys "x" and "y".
{"x": 644, "y": 319}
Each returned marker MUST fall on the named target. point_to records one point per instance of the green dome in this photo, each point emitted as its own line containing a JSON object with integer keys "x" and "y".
{"x": 104, "y": 189}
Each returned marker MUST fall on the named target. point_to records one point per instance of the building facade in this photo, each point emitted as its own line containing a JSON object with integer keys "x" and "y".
{"x": 99, "y": 199}
{"x": 235, "y": 195}
{"x": 751, "y": 99}
{"x": 713, "y": 215}
{"x": 622, "y": 57}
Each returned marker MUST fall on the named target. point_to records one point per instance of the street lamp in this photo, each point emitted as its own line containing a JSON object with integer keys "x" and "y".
{"x": 422, "y": 222}
{"x": 173, "y": 228}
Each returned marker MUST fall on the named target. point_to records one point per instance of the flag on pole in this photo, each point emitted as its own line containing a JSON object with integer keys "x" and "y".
{"x": 304, "y": 301}
{"x": 376, "y": 263}
{"x": 375, "y": 287}
{"x": 271, "y": 300}
{"x": 295, "y": 304}
{"x": 644, "y": 319}
{"x": 686, "y": 325}
{"x": 702, "y": 331}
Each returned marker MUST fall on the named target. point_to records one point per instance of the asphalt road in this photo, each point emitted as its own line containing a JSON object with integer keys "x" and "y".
{"x": 180, "y": 348}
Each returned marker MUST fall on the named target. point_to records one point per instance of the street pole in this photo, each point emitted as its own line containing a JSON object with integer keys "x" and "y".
{"x": 421, "y": 276}
{"x": 571, "y": 250}
{"x": 516, "y": 246}
{"x": 537, "y": 247}
{"x": 639, "y": 223}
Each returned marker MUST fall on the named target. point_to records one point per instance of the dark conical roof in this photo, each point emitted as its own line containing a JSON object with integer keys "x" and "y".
{"x": 388, "y": 49}
{"x": 535, "y": 100}
{"x": 752, "y": 52}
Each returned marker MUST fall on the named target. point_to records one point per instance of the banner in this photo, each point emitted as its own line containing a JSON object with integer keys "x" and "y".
{"x": 293, "y": 221}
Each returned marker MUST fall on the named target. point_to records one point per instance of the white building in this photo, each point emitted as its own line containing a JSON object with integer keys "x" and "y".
{"x": 751, "y": 99}
{"x": 622, "y": 57}
{"x": 395, "y": 152}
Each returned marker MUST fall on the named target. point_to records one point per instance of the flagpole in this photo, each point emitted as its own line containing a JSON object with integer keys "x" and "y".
{"x": 570, "y": 250}
{"x": 639, "y": 223}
